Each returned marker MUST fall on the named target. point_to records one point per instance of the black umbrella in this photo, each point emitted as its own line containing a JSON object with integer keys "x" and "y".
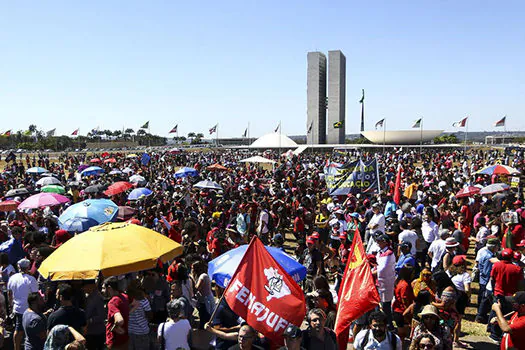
{"x": 17, "y": 192}
{"x": 95, "y": 188}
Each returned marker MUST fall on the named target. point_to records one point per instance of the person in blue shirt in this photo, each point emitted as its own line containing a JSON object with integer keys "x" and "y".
{"x": 405, "y": 259}
{"x": 484, "y": 265}
{"x": 390, "y": 207}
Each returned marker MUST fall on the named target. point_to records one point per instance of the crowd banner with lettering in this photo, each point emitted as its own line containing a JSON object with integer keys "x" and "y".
{"x": 353, "y": 177}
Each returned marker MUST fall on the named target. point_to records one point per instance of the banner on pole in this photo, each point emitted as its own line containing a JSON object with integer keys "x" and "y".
{"x": 354, "y": 177}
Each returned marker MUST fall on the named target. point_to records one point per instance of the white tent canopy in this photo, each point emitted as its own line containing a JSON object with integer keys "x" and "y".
{"x": 257, "y": 159}
{"x": 274, "y": 140}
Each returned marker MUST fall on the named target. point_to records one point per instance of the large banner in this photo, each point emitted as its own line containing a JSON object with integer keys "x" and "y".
{"x": 354, "y": 177}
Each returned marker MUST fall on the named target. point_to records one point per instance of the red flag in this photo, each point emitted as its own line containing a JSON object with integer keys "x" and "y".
{"x": 74, "y": 132}
{"x": 358, "y": 293}
{"x": 264, "y": 294}
{"x": 397, "y": 187}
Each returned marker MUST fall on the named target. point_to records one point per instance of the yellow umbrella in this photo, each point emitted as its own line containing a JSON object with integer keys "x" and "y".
{"x": 111, "y": 249}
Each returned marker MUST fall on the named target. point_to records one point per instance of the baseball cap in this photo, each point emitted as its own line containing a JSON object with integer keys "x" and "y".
{"x": 310, "y": 240}
{"x": 406, "y": 245}
{"x": 521, "y": 243}
{"x": 383, "y": 237}
{"x": 494, "y": 242}
{"x": 315, "y": 235}
{"x": 459, "y": 260}
{"x": 518, "y": 202}
{"x": 343, "y": 235}
{"x": 517, "y": 255}
{"x": 292, "y": 331}
{"x": 507, "y": 253}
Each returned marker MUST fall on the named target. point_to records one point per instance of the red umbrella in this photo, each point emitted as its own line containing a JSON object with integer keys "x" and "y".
{"x": 95, "y": 160}
{"x": 467, "y": 192}
{"x": 118, "y": 187}
{"x": 9, "y": 205}
{"x": 217, "y": 167}
{"x": 110, "y": 160}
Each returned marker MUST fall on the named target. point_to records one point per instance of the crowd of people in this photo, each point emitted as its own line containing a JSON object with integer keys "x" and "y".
{"x": 417, "y": 250}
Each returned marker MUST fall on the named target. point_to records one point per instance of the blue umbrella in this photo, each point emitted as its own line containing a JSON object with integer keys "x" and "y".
{"x": 222, "y": 268}
{"x": 138, "y": 193}
{"x": 92, "y": 170}
{"x": 184, "y": 172}
{"x": 115, "y": 172}
{"x": 36, "y": 170}
{"x": 77, "y": 224}
{"x": 100, "y": 210}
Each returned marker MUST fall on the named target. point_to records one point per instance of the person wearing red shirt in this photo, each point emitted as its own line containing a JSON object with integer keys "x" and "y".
{"x": 514, "y": 337}
{"x": 175, "y": 232}
{"x": 298, "y": 224}
{"x": 505, "y": 275}
{"x": 118, "y": 315}
{"x": 404, "y": 298}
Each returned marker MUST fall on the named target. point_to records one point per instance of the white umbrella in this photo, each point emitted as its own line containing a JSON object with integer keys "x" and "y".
{"x": 208, "y": 184}
{"x": 494, "y": 188}
{"x": 48, "y": 180}
{"x": 127, "y": 170}
{"x": 137, "y": 179}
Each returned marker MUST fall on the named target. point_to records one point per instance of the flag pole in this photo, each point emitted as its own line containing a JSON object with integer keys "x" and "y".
{"x": 421, "y": 137}
{"x": 504, "y": 129}
{"x": 248, "y": 134}
{"x": 384, "y": 134}
{"x": 280, "y": 128}
{"x": 217, "y": 136}
{"x": 466, "y": 132}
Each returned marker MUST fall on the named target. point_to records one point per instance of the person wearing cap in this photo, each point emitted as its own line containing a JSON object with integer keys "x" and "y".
{"x": 321, "y": 223}
{"x": 514, "y": 330}
{"x": 406, "y": 258}
{"x": 386, "y": 274}
{"x": 437, "y": 249}
{"x": 452, "y": 249}
{"x": 19, "y": 286}
{"x": 462, "y": 280}
{"x": 484, "y": 265}
{"x": 293, "y": 337}
{"x": 506, "y": 279}
{"x": 430, "y": 324}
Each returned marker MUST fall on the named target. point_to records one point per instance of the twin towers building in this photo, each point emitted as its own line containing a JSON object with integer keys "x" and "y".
{"x": 326, "y": 98}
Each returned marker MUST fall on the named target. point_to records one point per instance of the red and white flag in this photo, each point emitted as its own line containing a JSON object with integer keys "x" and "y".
{"x": 358, "y": 293}
{"x": 264, "y": 294}
{"x": 174, "y": 130}
{"x": 75, "y": 132}
{"x": 461, "y": 123}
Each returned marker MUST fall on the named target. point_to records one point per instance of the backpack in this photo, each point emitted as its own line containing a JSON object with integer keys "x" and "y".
{"x": 392, "y": 339}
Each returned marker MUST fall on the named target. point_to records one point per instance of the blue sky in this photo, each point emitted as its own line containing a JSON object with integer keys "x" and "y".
{"x": 69, "y": 64}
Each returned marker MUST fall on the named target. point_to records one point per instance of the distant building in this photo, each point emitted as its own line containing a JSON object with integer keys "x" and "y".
{"x": 316, "y": 98}
{"x": 336, "y": 96}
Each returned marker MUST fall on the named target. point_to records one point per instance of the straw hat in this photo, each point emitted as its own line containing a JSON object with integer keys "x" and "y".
{"x": 429, "y": 310}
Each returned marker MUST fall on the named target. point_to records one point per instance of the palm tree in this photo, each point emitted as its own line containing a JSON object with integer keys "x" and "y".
{"x": 129, "y": 131}
{"x": 191, "y": 135}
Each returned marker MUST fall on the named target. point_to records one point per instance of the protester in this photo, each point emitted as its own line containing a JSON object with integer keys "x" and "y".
{"x": 377, "y": 336}
{"x": 418, "y": 222}
{"x": 175, "y": 333}
{"x": 34, "y": 323}
{"x": 19, "y": 286}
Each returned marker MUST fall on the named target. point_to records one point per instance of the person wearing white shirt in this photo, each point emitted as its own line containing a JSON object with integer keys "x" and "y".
{"x": 386, "y": 274}
{"x": 19, "y": 286}
{"x": 175, "y": 333}
{"x": 377, "y": 337}
{"x": 429, "y": 229}
{"x": 377, "y": 222}
{"x": 407, "y": 236}
{"x": 437, "y": 248}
